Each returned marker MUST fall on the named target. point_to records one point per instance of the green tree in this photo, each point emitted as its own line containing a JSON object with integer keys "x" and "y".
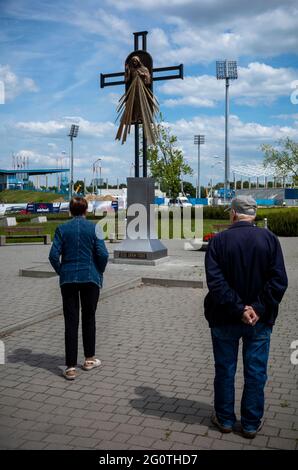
{"x": 283, "y": 158}
{"x": 166, "y": 160}
{"x": 189, "y": 189}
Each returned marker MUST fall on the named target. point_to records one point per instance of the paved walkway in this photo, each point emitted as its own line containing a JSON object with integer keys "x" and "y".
{"x": 25, "y": 299}
{"x": 154, "y": 390}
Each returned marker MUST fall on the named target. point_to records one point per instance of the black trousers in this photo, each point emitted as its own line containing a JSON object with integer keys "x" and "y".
{"x": 72, "y": 294}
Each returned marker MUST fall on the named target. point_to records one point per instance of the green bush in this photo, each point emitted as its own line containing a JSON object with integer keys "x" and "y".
{"x": 215, "y": 212}
{"x": 268, "y": 212}
{"x": 284, "y": 224}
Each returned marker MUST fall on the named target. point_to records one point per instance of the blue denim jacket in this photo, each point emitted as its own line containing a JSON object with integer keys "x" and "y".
{"x": 83, "y": 255}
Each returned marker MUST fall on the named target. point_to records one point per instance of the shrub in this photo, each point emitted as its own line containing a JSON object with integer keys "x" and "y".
{"x": 216, "y": 212}
{"x": 284, "y": 224}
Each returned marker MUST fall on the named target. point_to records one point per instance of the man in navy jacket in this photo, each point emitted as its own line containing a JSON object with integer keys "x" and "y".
{"x": 246, "y": 278}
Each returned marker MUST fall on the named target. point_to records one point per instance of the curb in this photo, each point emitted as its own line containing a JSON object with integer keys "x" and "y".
{"x": 165, "y": 282}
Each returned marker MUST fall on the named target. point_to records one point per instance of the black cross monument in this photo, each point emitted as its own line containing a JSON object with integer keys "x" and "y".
{"x": 140, "y": 190}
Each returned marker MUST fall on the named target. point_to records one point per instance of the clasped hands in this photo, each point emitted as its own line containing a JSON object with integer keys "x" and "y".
{"x": 249, "y": 316}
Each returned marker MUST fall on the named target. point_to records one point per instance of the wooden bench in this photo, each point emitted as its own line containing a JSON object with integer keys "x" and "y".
{"x": 220, "y": 227}
{"x": 12, "y": 230}
{"x": 15, "y": 233}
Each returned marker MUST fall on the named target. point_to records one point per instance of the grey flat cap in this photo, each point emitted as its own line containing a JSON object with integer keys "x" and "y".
{"x": 244, "y": 205}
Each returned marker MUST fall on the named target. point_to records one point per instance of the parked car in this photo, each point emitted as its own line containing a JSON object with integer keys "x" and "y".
{"x": 181, "y": 201}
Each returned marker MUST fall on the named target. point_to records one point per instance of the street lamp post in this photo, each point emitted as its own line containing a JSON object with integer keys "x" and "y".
{"x": 226, "y": 70}
{"x": 217, "y": 162}
{"x": 199, "y": 140}
{"x": 72, "y": 134}
{"x": 95, "y": 171}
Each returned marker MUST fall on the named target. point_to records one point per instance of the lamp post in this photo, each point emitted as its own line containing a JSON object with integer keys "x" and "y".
{"x": 217, "y": 162}
{"x": 72, "y": 134}
{"x": 226, "y": 70}
{"x": 199, "y": 140}
{"x": 94, "y": 168}
{"x": 132, "y": 168}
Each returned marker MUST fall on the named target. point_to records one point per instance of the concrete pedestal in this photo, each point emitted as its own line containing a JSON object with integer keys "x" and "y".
{"x": 146, "y": 247}
{"x": 8, "y": 222}
{"x": 41, "y": 219}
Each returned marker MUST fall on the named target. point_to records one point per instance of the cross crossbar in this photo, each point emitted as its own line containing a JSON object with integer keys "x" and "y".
{"x": 105, "y": 76}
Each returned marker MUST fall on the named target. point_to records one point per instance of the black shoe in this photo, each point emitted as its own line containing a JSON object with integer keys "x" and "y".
{"x": 251, "y": 434}
{"x": 221, "y": 427}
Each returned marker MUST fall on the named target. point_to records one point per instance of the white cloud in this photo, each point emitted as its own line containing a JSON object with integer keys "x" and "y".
{"x": 61, "y": 128}
{"x": 205, "y": 30}
{"x": 286, "y": 116}
{"x": 245, "y": 141}
{"x": 87, "y": 17}
{"x": 15, "y": 85}
{"x": 256, "y": 84}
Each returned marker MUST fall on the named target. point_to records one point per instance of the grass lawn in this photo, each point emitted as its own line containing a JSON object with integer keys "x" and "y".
{"x": 51, "y": 225}
{"x": 9, "y": 196}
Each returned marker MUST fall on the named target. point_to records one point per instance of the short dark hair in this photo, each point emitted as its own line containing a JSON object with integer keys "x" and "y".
{"x": 78, "y": 206}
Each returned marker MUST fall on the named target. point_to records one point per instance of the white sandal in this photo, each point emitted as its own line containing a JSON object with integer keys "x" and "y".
{"x": 88, "y": 365}
{"x": 70, "y": 373}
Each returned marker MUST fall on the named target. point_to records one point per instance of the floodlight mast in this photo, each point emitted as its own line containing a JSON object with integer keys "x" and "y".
{"x": 199, "y": 140}
{"x": 72, "y": 134}
{"x": 226, "y": 70}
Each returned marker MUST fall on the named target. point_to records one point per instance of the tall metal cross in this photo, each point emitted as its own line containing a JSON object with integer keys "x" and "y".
{"x": 104, "y": 83}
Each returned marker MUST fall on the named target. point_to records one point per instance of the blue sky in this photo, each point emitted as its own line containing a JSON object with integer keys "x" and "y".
{"x": 53, "y": 52}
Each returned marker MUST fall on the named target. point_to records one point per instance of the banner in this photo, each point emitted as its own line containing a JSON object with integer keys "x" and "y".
{"x": 43, "y": 207}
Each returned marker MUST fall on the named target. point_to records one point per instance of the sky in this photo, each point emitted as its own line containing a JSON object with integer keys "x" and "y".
{"x": 52, "y": 54}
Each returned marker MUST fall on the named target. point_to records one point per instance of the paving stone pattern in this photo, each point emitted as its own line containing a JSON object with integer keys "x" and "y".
{"x": 155, "y": 389}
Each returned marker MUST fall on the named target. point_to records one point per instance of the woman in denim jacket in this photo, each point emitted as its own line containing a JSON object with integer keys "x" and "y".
{"x": 79, "y": 256}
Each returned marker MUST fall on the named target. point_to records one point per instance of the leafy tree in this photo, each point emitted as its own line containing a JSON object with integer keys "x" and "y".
{"x": 166, "y": 160}
{"x": 283, "y": 158}
{"x": 189, "y": 189}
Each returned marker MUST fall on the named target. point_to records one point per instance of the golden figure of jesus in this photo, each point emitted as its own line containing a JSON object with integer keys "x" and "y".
{"x": 138, "y": 104}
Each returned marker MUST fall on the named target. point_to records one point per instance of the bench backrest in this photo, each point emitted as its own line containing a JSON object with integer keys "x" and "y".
{"x": 12, "y": 230}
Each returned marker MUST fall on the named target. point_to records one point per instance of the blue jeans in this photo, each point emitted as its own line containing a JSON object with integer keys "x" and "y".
{"x": 256, "y": 343}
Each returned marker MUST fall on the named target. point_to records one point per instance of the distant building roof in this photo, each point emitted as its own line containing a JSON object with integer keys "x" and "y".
{"x": 42, "y": 171}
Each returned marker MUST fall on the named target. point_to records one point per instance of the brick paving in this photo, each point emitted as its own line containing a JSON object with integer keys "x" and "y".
{"x": 155, "y": 388}
{"x": 23, "y": 298}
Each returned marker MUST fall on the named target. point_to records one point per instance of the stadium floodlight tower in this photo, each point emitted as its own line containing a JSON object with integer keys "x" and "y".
{"x": 226, "y": 70}
{"x": 72, "y": 134}
{"x": 199, "y": 140}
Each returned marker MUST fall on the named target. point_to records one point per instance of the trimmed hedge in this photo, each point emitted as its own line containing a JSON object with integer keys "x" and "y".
{"x": 215, "y": 212}
{"x": 284, "y": 224}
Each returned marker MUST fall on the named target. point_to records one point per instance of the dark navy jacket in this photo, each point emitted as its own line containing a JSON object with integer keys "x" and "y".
{"x": 82, "y": 250}
{"x": 244, "y": 266}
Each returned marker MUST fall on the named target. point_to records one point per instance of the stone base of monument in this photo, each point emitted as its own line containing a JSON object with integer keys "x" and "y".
{"x": 150, "y": 252}
{"x": 8, "y": 222}
{"x": 41, "y": 219}
{"x": 145, "y": 249}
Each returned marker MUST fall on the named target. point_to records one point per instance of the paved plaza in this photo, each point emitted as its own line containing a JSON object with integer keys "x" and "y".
{"x": 155, "y": 388}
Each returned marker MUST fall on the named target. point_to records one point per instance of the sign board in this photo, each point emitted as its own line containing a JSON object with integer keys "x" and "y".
{"x": 115, "y": 205}
{"x": 291, "y": 193}
{"x": 43, "y": 207}
{"x": 132, "y": 254}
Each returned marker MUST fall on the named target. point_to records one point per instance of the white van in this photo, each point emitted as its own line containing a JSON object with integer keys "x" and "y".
{"x": 180, "y": 201}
